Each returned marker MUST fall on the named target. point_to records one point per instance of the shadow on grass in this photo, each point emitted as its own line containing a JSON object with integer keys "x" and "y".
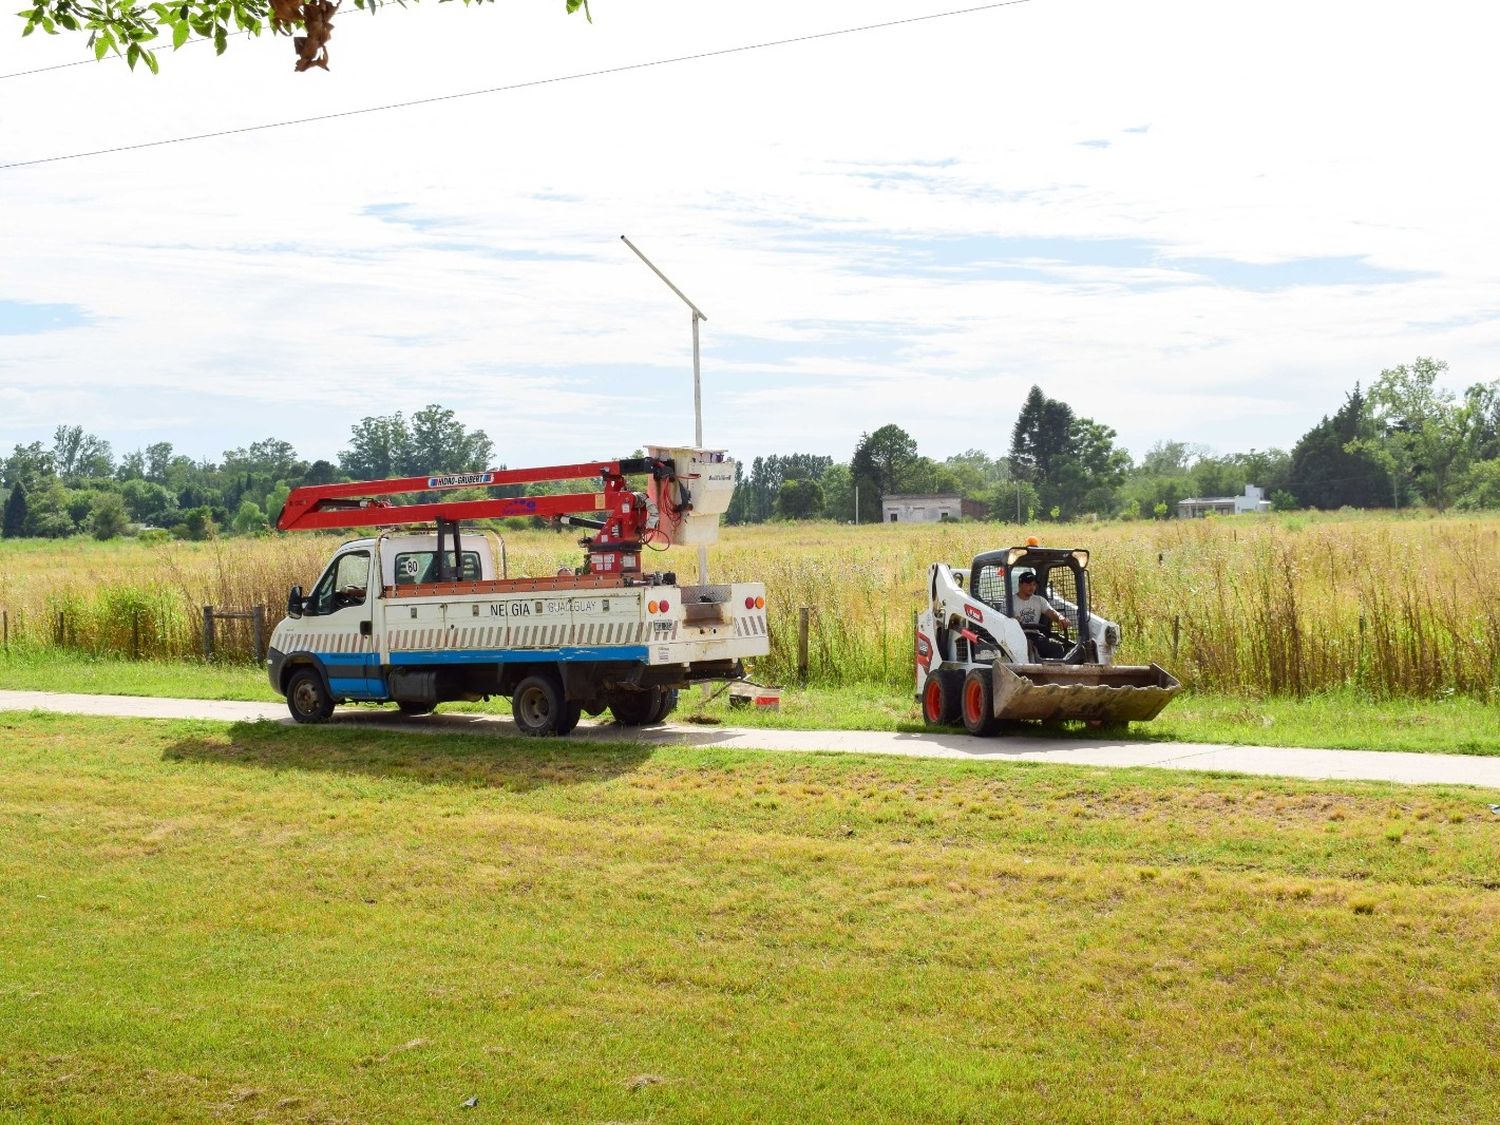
{"x": 512, "y": 763}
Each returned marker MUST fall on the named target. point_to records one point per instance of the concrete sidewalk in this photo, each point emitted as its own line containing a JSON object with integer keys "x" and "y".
{"x": 1364, "y": 765}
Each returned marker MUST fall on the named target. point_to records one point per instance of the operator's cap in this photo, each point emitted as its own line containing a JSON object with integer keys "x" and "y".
{"x": 1026, "y": 576}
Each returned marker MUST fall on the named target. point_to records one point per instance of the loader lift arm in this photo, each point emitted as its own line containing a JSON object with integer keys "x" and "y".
{"x": 629, "y": 518}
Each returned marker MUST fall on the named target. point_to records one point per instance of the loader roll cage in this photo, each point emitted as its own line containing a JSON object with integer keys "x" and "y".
{"x": 991, "y": 580}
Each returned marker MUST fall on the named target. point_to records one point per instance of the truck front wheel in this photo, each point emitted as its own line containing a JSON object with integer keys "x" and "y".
{"x": 306, "y": 697}
{"x": 539, "y": 707}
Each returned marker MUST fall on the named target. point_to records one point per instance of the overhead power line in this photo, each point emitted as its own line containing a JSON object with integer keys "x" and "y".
{"x": 512, "y": 87}
{"x": 192, "y": 41}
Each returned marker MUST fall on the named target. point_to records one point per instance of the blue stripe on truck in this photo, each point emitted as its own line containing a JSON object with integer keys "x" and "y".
{"x": 354, "y": 689}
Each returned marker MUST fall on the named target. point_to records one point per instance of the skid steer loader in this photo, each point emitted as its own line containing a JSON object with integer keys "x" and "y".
{"x": 977, "y": 663}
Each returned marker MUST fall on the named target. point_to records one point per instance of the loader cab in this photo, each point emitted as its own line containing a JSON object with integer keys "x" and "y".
{"x": 1062, "y": 578}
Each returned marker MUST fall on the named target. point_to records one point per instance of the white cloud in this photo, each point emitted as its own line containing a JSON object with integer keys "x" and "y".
{"x": 250, "y": 269}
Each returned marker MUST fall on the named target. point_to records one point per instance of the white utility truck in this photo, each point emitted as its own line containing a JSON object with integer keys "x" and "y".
{"x": 984, "y": 657}
{"x": 419, "y": 618}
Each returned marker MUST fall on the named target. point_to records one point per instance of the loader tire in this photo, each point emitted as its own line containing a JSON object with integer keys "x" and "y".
{"x": 979, "y": 702}
{"x": 941, "y": 699}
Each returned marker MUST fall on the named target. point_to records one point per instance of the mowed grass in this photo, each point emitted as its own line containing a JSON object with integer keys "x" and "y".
{"x": 1337, "y": 720}
{"x": 260, "y": 922}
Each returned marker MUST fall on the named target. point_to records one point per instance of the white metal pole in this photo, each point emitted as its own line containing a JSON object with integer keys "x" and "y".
{"x": 697, "y": 381}
{"x": 697, "y": 386}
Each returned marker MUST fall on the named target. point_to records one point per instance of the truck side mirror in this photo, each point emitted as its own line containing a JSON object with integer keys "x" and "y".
{"x": 294, "y": 602}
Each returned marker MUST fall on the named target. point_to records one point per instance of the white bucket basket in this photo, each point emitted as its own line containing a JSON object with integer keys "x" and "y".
{"x": 708, "y": 475}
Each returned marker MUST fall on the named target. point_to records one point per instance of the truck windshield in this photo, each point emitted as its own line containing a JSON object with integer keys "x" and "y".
{"x": 414, "y": 568}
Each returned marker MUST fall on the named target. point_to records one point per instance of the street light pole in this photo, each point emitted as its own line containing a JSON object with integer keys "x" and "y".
{"x": 697, "y": 380}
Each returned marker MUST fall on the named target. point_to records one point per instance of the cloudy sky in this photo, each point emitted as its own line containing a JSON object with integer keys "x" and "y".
{"x": 1190, "y": 221}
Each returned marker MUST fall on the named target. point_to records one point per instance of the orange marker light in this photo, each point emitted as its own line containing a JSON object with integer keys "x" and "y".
{"x": 1033, "y": 541}
{"x": 760, "y": 603}
{"x": 650, "y": 607}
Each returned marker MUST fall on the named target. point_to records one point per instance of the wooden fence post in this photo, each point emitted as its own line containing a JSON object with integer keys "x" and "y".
{"x": 258, "y": 627}
{"x": 135, "y": 634}
{"x": 208, "y": 632}
{"x": 802, "y": 617}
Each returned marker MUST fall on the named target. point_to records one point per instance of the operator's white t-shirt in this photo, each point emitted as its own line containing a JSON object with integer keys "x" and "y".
{"x": 1032, "y": 610}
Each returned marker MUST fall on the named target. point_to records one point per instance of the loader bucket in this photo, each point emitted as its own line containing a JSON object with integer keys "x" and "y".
{"x": 1110, "y": 693}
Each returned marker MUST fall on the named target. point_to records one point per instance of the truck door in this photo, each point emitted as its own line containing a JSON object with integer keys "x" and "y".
{"x": 342, "y": 630}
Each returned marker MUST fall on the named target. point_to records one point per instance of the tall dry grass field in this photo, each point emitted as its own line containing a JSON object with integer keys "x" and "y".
{"x": 1269, "y": 606}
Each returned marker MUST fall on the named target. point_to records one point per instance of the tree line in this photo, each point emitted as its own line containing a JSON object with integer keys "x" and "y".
{"x": 76, "y": 486}
{"x": 1402, "y": 442}
{"x": 1406, "y": 441}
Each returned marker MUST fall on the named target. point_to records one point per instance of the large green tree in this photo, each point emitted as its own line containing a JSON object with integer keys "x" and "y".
{"x": 28, "y": 464}
{"x": 1039, "y": 440}
{"x": 1422, "y": 434}
{"x": 1071, "y": 462}
{"x": 883, "y": 464}
{"x": 440, "y": 444}
{"x": 1329, "y": 469}
{"x": 79, "y": 456}
{"x": 16, "y": 512}
{"x": 1418, "y": 433}
{"x": 379, "y": 448}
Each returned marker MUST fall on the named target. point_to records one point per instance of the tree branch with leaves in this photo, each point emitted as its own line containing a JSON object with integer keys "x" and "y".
{"x": 135, "y": 31}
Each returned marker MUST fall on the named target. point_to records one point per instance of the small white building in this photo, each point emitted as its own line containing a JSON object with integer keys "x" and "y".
{"x": 1196, "y": 507}
{"x": 928, "y": 508}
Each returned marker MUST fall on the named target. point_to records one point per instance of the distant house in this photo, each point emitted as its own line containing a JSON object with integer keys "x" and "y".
{"x": 929, "y": 508}
{"x": 1197, "y": 506}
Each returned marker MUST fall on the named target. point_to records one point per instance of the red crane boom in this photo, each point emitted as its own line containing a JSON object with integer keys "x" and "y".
{"x": 630, "y": 518}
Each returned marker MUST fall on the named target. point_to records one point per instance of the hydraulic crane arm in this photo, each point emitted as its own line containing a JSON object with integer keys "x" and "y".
{"x": 629, "y": 516}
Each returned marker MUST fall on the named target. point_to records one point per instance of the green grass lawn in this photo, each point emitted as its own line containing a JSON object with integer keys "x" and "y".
{"x": 1454, "y": 725}
{"x": 258, "y": 922}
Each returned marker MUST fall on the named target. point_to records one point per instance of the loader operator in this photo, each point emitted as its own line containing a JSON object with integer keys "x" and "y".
{"x": 1031, "y": 610}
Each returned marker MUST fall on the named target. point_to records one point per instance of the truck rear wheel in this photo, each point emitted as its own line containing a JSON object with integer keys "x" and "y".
{"x": 940, "y": 699}
{"x": 306, "y": 697}
{"x": 641, "y": 708}
{"x": 539, "y": 707}
{"x": 979, "y": 701}
{"x": 664, "y": 706}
